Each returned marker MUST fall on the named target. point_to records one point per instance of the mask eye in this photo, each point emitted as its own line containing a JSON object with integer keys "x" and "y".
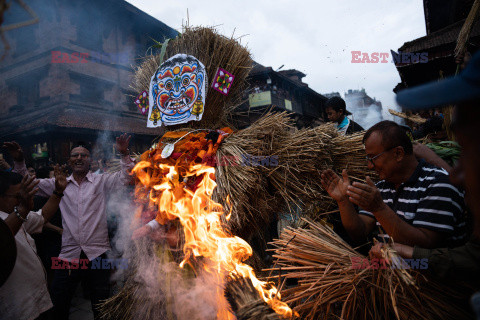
{"x": 169, "y": 85}
{"x": 186, "y": 81}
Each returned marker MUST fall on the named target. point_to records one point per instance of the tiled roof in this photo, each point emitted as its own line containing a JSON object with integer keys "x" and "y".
{"x": 439, "y": 38}
{"x": 76, "y": 118}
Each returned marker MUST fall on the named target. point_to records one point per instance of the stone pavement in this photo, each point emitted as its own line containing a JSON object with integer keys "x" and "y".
{"x": 81, "y": 308}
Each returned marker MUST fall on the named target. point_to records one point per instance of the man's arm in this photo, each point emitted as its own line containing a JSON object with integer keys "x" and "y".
{"x": 357, "y": 226}
{"x": 15, "y": 219}
{"x": 45, "y": 186}
{"x": 421, "y": 151}
{"x": 368, "y": 197}
{"x": 51, "y": 207}
{"x": 461, "y": 262}
{"x": 123, "y": 176}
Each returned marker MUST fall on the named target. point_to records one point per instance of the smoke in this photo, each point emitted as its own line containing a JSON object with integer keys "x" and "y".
{"x": 157, "y": 286}
{"x": 367, "y": 111}
{"x": 367, "y": 117}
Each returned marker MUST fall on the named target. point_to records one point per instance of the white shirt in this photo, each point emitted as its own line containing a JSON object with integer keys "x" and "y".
{"x": 25, "y": 294}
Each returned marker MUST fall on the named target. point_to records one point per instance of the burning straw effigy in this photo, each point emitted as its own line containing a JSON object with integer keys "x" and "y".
{"x": 330, "y": 288}
{"x": 193, "y": 187}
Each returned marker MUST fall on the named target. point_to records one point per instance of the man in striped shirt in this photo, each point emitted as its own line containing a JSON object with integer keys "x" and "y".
{"x": 414, "y": 203}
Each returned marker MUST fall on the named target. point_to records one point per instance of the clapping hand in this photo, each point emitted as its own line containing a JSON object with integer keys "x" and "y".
{"x": 15, "y": 150}
{"x": 122, "y": 143}
{"x": 335, "y": 185}
{"x": 27, "y": 191}
{"x": 366, "y": 195}
{"x": 60, "y": 173}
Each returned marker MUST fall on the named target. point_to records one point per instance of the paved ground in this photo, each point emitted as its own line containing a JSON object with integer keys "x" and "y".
{"x": 81, "y": 308}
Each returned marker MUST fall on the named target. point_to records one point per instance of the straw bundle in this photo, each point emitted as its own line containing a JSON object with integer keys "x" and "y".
{"x": 257, "y": 192}
{"x": 245, "y": 301}
{"x": 251, "y": 200}
{"x": 214, "y": 51}
{"x": 303, "y": 155}
{"x": 414, "y": 118}
{"x": 348, "y": 152}
{"x": 329, "y": 288}
{"x": 467, "y": 28}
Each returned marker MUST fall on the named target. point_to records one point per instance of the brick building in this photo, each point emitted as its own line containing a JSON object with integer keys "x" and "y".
{"x": 66, "y": 78}
{"x": 280, "y": 91}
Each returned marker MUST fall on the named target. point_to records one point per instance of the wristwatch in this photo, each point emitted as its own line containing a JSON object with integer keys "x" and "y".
{"x": 58, "y": 194}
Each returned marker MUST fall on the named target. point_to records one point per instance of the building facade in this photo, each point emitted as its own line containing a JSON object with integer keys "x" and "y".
{"x": 443, "y": 21}
{"x": 365, "y": 110}
{"x": 66, "y": 77}
{"x": 280, "y": 91}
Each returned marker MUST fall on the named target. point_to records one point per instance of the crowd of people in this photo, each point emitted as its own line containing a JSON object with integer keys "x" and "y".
{"x": 81, "y": 198}
{"x": 419, "y": 201}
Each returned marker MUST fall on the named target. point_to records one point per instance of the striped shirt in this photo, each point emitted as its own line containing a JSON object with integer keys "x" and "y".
{"x": 427, "y": 200}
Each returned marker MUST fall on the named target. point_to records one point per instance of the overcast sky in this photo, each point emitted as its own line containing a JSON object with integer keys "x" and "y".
{"x": 315, "y": 37}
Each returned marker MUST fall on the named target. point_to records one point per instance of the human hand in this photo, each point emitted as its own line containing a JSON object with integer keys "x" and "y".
{"x": 367, "y": 196}
{"x": 27, "y": 191}
{"x": 403, "y": 250}
{"x": 15, "y": 150}
{"x": 4, "y": 165}
{"x": 141, "y": 232}
{"x": 376, "y": 251}
{"x": 122, "y": 143}
{"x": 60, "y": 174}
{"x": 335, "y": 185}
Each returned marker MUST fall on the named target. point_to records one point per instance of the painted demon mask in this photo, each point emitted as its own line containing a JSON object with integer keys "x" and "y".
{"x": 177, "y": 91}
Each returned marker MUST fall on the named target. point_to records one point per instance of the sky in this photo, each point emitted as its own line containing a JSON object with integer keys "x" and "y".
{"x": 315, "y": 37}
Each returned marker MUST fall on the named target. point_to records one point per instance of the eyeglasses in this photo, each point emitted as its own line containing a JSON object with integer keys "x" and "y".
{"x": 81, "y": 155}
{"x": 371, "y": 159}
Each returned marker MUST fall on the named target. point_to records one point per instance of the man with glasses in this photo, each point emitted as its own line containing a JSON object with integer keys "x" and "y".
{"x": 414, "y": 202}
{"x": 461, "y": 262}
{"x": 84, "y": 220}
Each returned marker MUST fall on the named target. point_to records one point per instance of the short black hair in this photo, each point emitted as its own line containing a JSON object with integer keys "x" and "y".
{"x": 81, "y": 144}
{"x": 337, "y": 104}
{"x": 8, "y": 179}
{"x": 393, "y": 135}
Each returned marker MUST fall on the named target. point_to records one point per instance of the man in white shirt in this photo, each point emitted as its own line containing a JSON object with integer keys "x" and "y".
{"x": 24, "y": 295}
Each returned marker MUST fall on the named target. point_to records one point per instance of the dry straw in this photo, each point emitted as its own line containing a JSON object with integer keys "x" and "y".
{"x": 256, "y": 193}
{"x": 245, "y": 301}
{"x": 414, "y": 118}
{"x": 214, "y": 51}
{"x": 329, "y": 288}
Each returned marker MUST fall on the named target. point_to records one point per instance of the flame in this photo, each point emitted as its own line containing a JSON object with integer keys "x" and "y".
{"x": 204, "y": 234}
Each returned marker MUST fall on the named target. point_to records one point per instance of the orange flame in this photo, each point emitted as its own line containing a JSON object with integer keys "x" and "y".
{"x": 205, "y": 237}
